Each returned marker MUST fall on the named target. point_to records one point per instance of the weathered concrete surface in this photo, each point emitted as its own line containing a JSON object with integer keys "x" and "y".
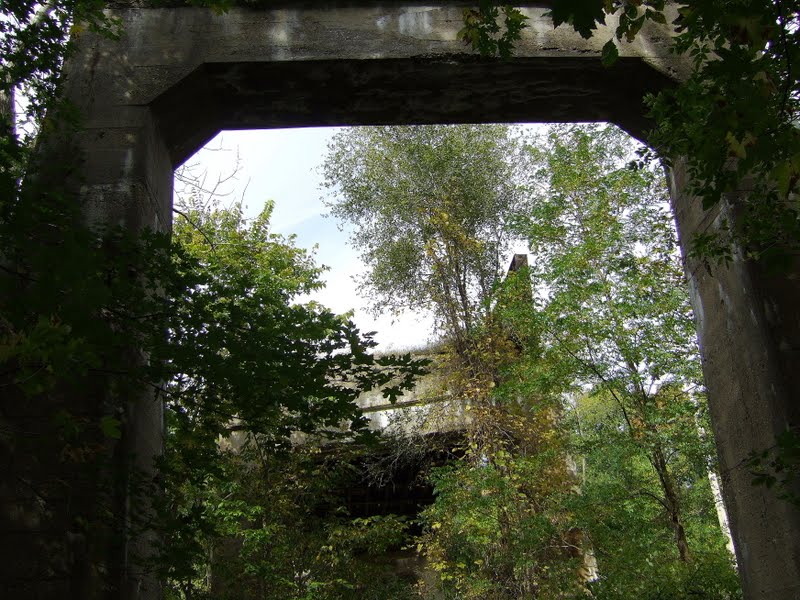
{"x": 179, "y": 75}
{"x": 351, "y": 66}
{"x": 748, "y": 327}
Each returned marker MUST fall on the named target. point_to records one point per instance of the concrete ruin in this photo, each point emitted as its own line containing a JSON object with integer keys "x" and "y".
{"x": 179, "y": 75}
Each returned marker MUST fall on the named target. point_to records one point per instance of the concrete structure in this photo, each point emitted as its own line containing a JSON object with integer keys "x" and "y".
{"x": 748, "y": 327}
{"x": 180, "y": 75}
{"x": 427, "y": 409}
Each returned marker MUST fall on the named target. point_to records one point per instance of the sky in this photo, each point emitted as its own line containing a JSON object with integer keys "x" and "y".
{"x": 283, "y": 165}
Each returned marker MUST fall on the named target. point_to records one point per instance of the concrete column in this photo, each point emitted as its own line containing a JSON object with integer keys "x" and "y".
{"x": 748, "y": 328}
{"x": 125, "y": 169}
{"x": 64, "y": 526}
{"x": 126, "y": 179}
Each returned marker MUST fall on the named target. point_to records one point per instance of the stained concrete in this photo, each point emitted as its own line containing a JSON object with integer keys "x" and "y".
{"x": 198, "y": 73}
{"x": 179, "y": 75}
{"x": 748, "y": 328}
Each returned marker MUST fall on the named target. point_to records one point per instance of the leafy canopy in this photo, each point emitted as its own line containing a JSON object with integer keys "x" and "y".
{"x": 617, "y": 333}
{"x": 733, "y": 120}
{"x": 240, "y": 345}
{"x": 429, "y": 207}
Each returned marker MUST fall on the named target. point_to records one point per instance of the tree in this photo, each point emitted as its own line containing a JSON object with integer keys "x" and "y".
{"x": 432, "y": 208}
{"x": 93, "y": 320}
{"x": 621, "y": 511}
{"x": 615, "y": 321}
{"x": 239, "y": 346}
{"x": 429, "y": 206}
{"x": 272, "y": 525}
{"x": 207, "y": 323}
{"x": 733, "y": 118}
{"x": 499, "y": 528}
{"x": 243, "y": 361}
{"x": 35, "y": 39}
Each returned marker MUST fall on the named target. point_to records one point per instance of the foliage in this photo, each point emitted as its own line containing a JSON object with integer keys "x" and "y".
{"x": 238, "y": 341}
{"x": 481, "y": 28}
{"x": 213, "y": 311}
{"x": 585, "y": 15}
{"x": 734, "y": 118}
{"x": 779, "y": 466}
{"x": 97, "y": 323}
{"x": 742, "y": 51}
{"x": 206, "y": 322}
{"x": 35, "y": 38}
{"x": 605, "y": 261}
{"x": 621, "y": 511}
{"x": 497, "y": 530}
{"x": 512, "y": 519}
{"x": 616, "y": 331}
{"x": 48, "y": 335}
{"x": 271, "y": 525}
{"x": 432, "y": 207}
{"x": 245, "y": 358}
{"x": 429, "y": 205}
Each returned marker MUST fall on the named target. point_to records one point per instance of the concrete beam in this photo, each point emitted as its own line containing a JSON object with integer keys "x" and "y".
{"x": 198, "y": 72}
{"x": 453, "y": 89}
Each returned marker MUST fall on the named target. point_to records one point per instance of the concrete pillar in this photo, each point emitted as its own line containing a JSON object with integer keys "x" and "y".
{"x": 64, "y": 525}
{"x": 748, "y": 328}
{"x": 126, "y": 171}
{"x": 126, "y": 179}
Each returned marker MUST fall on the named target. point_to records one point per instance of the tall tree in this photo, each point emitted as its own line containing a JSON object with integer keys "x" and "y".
{"x": 732, "y": 119}
{"x": 615, "y": 317}
{"x": 432, "y": 210}
{"x": 240, "y": 345}
{"x": 429, "y": 206}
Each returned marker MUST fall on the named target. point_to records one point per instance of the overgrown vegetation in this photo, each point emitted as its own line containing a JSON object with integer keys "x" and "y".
{"x": 617, "y": 331}
{"x": 273, "y": 523}
{"x": 734, "y": 120}
{"x": 585, "y": 446}
{"x": 605, "y": 491}
{"x": 431, "y": 207}
{"x": 101, "y": 325}
{"x": 227, "y": 348}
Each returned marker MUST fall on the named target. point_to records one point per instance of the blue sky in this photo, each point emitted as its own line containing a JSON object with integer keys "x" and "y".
{"x": 282, "y": 165}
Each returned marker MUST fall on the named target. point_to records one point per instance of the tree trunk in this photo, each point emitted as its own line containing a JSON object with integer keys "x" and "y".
{"x": 8, "y": 119}
{"x": 671, "y": 503}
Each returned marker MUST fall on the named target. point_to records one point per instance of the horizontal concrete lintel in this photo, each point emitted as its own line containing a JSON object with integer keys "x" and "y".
{"x": 418, "y": 90}
{"x": 181, "y": 36}
{"x": 405, "y": 404}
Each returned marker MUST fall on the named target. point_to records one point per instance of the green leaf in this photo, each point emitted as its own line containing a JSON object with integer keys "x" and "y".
{"x": 656, "y": 16}
{"x": 610, "y": 53}
{"x": 110, "y": 427}
{"x": 583, "y": 15}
